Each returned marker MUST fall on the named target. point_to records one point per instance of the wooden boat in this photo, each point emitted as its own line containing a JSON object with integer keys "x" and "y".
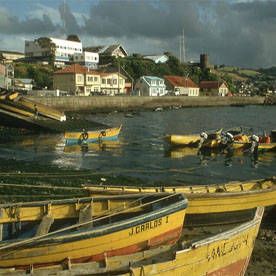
{"x": 221, "y": 203}
{"x": 226, "y": 252}
{"x": 189, "y": 140}
{"x": 214, "y": 140}
{"x": 8, "y": 95}
{"x": 87, "y": 229}
{"x": 92, "y": 136}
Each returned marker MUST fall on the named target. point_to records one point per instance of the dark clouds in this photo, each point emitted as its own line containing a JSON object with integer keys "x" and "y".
{"x": 231, "y": 32}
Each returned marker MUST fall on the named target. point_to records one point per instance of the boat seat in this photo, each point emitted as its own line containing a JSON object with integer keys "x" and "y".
{"x": 44, "y": 225}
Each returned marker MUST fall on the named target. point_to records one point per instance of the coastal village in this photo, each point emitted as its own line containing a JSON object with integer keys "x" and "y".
{"x": 86, "y": 71}
{"x": 96, "y": 228}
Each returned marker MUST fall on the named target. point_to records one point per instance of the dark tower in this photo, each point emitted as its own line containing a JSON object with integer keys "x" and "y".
{"x": 204, "y": 61}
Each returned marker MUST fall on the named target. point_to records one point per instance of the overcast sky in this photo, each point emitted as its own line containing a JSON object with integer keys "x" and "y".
{"x": 232, "y": 32}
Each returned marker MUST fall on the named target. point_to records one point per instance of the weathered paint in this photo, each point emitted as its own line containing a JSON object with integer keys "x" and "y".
{"x": 124, "y": 237}
{"x": 225, "y": 254}
{"x": 204, "y": 199}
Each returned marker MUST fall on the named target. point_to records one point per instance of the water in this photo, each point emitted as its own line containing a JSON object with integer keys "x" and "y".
{"x": 142, "y": 152}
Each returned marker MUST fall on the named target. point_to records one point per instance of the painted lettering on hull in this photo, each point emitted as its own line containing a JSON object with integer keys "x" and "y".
{"x": 147, "y": 226}
{"x": 226, "y": 248}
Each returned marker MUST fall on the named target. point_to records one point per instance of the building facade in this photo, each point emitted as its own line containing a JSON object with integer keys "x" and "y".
{"x": 63, "y": 49}
{"x": 79, "y": 80}
{"x": 87, "y": 59}
{"x": 185, "y": 86}
{"x": 213, "y": 88}
{"x": 150, "y": 86}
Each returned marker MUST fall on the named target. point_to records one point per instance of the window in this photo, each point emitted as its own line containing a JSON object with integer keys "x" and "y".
{"x": 80, "y": 78}
{"x": 108, "y": 81}
{"x": 103, "y": 81}
{"x": 95, "y": 79}
{"x": 114, "y": 81}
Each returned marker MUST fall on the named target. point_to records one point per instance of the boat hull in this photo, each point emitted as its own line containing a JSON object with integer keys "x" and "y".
{"x": 92, "y": 136}
{"x": 225, "y": 253}
{"x": 210, "y": 199}
{"x": 137, "y": 233}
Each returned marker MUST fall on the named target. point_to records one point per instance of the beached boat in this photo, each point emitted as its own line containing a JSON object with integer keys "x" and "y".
{"x": 8, "y": 95}
{"x": 229, "y": 202}
{"x": 223, "y": 251}
{"x": 87, "y": 229}
{"x": 79, "y": 137}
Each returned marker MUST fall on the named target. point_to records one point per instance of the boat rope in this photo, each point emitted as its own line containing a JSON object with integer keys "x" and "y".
{"x": 101, "y": 217}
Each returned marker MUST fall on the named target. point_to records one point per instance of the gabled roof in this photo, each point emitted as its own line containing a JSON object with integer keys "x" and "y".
{"x": 105, "y": 49}
{"x": 76, "y": 69}
{"x": 148, "y": 79}
{"x": 211, "y": 84}
{"x": 180, "y": 81}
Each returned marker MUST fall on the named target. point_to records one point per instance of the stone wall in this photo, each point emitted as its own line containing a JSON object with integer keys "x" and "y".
{"x": 107, "y": 103}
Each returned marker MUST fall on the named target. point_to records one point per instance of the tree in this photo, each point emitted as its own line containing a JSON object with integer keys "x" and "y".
{"x": 73, "y": 37}
{"x": 46, "y": 42}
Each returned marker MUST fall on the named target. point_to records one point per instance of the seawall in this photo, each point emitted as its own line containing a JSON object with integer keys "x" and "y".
{"x": 126, "y": 103}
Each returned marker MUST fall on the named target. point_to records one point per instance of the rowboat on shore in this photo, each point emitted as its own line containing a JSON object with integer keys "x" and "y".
{"x": 208, "y": 251}
{"x": 212, "y": 204}
{"x": 8, "y": 95}
{"x": 87, "y": 229}
{"x": 80, "y": 137}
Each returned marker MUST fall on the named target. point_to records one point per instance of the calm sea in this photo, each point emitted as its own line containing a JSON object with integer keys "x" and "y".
{"x": 142, "y": 152}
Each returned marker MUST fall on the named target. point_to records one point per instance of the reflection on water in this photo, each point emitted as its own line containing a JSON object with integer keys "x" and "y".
{"x": 100, "y": 145}
{"x": 142, "y": 152}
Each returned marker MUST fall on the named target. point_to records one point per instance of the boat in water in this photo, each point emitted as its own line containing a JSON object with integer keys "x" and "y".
{"x": 86, "y": 136}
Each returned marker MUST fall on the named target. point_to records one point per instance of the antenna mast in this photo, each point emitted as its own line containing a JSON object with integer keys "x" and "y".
{"x": 64, "y": 29}
{"x": 182, "y": 53}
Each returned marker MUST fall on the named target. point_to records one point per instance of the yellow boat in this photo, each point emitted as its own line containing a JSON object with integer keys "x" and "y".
{"x": 244, "y": 142}
{"x": 189, "y": 140}
{"x": 87, "y": 229}
{"x": 224, "y": 251}
{"x": 80, "y": 137}
{"x": 222, "y": 202}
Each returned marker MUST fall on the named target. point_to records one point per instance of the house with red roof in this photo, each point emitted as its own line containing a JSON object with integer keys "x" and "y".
{"x": 80, "y": 80}
{"x": 185, "y": 86}
{"x": 214, "y": 88}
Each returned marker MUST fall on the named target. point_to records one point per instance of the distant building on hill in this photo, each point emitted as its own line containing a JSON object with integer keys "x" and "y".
{"x": 45, "y": 47}
{"x": 157, "y": 58}
{"x": 8, "y": 56}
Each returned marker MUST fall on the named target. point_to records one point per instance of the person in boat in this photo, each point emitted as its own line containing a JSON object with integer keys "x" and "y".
{"x": 255, "y": 142}
{"x": 228, "y": 138}
{"x": 203, "y": 138}
{"x": 35, "y": 112}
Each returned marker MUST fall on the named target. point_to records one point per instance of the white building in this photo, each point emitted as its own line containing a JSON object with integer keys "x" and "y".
{"x": 64, "y": 50}
{"x": 150, "y": 86}
{"x": 87, "y": 59}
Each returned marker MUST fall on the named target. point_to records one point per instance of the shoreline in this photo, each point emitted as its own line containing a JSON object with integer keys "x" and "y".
{"x": 135, "y": 103}
{"x": 261, "y": 261}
